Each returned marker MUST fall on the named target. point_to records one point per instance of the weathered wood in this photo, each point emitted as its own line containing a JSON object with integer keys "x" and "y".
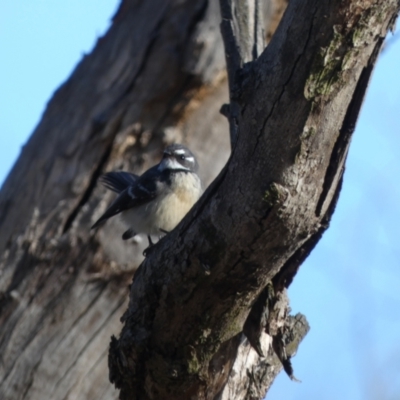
{"x": 299, "y": 103}
{"x": 149, "y": 81}
{"x": 251, "y": 375}
{"x": 242, "y": 28}
{"x": 156, "y": 77}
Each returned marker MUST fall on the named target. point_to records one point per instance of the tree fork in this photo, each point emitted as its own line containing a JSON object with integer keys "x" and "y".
{"x": 63, "y": 288}
{"x": 194, "y": 292}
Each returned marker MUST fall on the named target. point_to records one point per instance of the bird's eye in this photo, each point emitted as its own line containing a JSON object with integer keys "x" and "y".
{"x": 182, "y": 157}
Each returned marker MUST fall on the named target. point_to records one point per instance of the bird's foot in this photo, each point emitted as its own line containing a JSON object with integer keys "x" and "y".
{"x": 146, "y": 251}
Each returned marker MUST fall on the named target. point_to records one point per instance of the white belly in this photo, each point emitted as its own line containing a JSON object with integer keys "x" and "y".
{"x": 165, "y": 213}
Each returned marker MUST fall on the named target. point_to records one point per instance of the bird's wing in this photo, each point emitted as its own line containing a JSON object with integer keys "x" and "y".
{"x": 145, "y": 189}
{"x": 118, "y": 181}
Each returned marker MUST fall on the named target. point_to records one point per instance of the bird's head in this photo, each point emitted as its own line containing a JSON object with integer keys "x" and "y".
{"x": 178, "y": 157}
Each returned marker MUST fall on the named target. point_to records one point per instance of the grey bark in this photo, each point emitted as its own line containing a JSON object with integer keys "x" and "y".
{"x": 156, "y": 77}
{"x": 299, "y": 102}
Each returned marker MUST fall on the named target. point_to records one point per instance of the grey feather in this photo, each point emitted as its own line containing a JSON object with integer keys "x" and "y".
{"x": 118, "y": 181}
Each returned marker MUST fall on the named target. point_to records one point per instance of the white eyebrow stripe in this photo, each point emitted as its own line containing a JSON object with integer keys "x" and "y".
{"x": 179, "y": 151}
{"x": 191, "y": 159}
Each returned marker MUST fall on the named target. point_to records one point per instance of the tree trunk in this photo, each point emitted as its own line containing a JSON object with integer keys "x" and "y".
{"x": 154, "y": 78}
{"x": 158, "y": 76}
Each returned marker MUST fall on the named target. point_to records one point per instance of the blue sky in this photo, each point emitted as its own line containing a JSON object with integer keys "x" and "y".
{"x": 349, "y": 288}
{"x": 41, "y": 42}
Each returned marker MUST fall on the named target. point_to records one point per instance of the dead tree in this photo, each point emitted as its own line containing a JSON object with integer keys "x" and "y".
{"x": 157, "y": 77}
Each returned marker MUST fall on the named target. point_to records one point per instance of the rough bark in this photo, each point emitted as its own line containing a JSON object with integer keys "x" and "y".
{"x": 299, "y": 103}
{"x": 158, "y": 77}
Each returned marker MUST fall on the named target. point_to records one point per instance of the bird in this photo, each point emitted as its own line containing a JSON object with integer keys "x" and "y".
{"x": 156, "y": 201}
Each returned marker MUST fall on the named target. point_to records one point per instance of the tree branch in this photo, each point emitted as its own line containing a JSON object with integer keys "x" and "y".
{"x": 193, "y": 293}
{"x": 251, "y": 376}
{"x": 64, "y": 287}
{"x": 242, "y": 29}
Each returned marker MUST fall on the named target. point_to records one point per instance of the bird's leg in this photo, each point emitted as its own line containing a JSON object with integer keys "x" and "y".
{"x": 151, "y": 244}
{"x": 147, "y": 250}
